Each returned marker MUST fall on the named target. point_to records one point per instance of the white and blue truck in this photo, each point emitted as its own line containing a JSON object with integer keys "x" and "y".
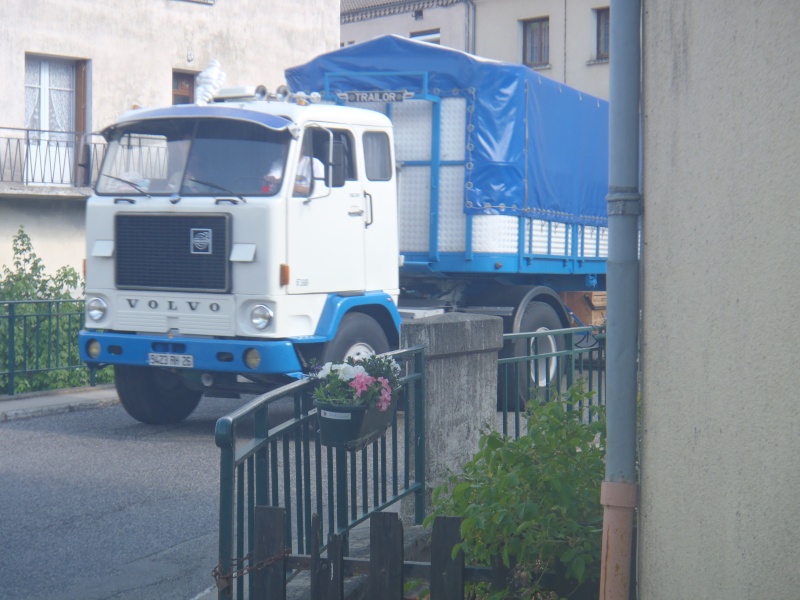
{"x": 233, "y": 243}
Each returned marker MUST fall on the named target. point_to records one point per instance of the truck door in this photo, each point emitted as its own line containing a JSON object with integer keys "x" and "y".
{"x": 325, "y": 227}
{"x": 380, "y": 193}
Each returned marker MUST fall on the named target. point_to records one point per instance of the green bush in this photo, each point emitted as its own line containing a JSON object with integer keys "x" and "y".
{"x": 45, "y": 333}
{"x": 532, "y": 504}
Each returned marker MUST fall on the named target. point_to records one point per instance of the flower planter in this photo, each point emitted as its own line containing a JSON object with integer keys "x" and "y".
{"x": 352, "y": 427}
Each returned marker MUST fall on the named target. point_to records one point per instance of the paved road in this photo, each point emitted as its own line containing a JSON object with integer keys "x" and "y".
{"x": 97, "y": 506}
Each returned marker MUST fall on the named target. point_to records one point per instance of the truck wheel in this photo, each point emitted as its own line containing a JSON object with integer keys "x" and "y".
{"x": 535, "y": 375}
{"x": 359, "y": 336}
{"x": 154, "y": 396}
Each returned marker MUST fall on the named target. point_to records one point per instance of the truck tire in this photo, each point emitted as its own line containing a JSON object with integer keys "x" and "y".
{"x": 534, "y": 376}
{"x": 154, "y": 396}
{"x": 358, "y": 336}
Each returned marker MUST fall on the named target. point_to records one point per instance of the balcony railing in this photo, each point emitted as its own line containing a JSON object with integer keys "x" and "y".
{"x": 40, "y": 157}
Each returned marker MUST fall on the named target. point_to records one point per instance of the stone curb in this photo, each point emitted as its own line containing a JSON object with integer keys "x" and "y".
{"x": 52, "y": 402}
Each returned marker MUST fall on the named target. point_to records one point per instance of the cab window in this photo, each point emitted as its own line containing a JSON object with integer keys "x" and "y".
{"x": 377, "y": 156}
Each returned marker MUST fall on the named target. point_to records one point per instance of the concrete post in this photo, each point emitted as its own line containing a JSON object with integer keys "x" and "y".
{"x": 460, "y": 386}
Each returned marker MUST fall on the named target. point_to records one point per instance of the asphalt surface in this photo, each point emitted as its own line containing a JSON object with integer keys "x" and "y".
{"x": 55, "y": 402}
{"x": 28, "y": 406}
{"x": 98, "y": 506}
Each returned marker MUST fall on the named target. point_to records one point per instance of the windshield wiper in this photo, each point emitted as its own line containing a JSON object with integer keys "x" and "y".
{"x": 127, "y": 182}
{"x": 218, "y": 187}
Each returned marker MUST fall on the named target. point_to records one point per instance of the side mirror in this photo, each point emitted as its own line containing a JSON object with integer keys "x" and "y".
{"x": 335, "y": 167}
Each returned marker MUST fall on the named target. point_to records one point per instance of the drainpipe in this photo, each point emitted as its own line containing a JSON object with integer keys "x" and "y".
{"x": 469, "y": 27}
{"x": 565, "y": 45}
{"x": 619, "y": 490}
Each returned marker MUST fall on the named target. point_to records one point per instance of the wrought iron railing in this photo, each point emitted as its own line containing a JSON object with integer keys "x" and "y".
{"x": 285, "y": 465}
{"x": 553, "y": 362}
{"x": 38, "y": 346}
{"x": 42, "y": 157}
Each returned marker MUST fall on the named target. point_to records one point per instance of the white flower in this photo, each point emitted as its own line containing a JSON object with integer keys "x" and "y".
{"x": 325, "y": 370}
{"x": 346, "y": 372}
{"x": 358, "y": 369}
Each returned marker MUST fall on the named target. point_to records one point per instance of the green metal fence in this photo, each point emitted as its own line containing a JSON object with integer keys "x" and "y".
{"x": 38, "y": 346}
{"x": 534, "y": 365}
{"x": 269, "y": 461}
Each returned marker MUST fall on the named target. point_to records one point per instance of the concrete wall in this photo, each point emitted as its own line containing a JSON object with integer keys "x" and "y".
{"x": 460, "y": 386}
{"x": 720, "y": 482}
{"x": 132, "y": 49}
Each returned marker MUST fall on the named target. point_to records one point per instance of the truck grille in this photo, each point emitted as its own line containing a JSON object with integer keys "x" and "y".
{"x": 173, "y": 252}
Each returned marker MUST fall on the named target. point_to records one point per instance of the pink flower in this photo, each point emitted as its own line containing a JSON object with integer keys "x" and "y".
{"x": 386, "y": 395}
{"x": 361, "y": 383}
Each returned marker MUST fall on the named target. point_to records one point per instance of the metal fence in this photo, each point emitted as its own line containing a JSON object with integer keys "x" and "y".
{"x": 550, "y": 363}
{"x": 284, "y": 464}
{"x": 265, "y": 463}
{"x": 38, "y": 345}
{"x": 43, "y": 157}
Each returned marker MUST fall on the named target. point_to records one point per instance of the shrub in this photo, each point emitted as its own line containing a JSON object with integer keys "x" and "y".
{"x": 532, "y": 504}
{"x": 45, "y": 334}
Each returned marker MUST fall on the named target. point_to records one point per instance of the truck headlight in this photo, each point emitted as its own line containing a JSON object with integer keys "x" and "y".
{"x": 261, "y": 317}
{"x": 93, "y": 349}
{"x": 252, "y": 358}
{"x": 96, "y": 309}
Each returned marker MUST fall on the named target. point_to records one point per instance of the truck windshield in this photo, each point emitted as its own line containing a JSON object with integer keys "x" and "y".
{"x": 194, "y": 157}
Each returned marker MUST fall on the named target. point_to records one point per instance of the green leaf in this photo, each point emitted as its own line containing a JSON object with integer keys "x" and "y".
{"x": 578, "y": 568}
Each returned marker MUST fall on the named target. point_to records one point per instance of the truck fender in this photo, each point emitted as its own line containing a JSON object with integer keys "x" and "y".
{"x": 378, "y": 305}
{"x": 518, "y": 297}
{"x": 539, "y": 293}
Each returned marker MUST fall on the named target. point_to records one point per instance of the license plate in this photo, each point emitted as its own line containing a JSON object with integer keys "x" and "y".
{"x": 183, "y": 361}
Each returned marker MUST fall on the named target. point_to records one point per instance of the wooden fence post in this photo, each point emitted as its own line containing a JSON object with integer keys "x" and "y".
{"x": 447, "y": 573}
{"x": 270, "y": 541}
{"x": 336, "y": 550}
{"x": 320, "y": 572}
{"x": 385, "y": 556}
{"x": 327, "y": 576}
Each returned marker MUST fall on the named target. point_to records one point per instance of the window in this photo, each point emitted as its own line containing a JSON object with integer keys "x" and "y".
{"x": 377, "y": 156}
{"x": 317, "y": 145}
{"x": 49, "y": 94}
{"x": 55, "y": 109}
{"x": 432, "y": 36}
{"x": 194, "y": 157}
{"x": 603, "y": 28}
{"x": 182, "y": 88}
{"x": 536, "y": 42}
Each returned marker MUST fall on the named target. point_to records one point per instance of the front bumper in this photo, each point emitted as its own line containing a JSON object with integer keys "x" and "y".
{"x": 208, "y": 354}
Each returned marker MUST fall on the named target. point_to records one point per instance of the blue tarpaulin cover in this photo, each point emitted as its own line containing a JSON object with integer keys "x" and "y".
{"x": 566, "y": 162}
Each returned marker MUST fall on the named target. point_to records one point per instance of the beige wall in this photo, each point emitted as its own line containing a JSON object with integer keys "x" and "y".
{"x": 498, "y": 34}
{"x": 720, "y": 486}
{"x": 55, "y": 226}
{"x": 572, "y": 38}
{"x": 132, "y": 49}
{"x": 449, "y": 20}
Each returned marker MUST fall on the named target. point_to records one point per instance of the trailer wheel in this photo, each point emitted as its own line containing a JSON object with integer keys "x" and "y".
{"x": 154, "y": 396}
{"x": 535, "y": 375}
{"x": 359, "y": 336}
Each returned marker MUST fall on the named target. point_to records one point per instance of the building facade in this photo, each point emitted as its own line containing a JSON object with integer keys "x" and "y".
{"x": 720, "y": 487}
{"x": 71, "y": 67}
{"x": 566, "y": 40}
